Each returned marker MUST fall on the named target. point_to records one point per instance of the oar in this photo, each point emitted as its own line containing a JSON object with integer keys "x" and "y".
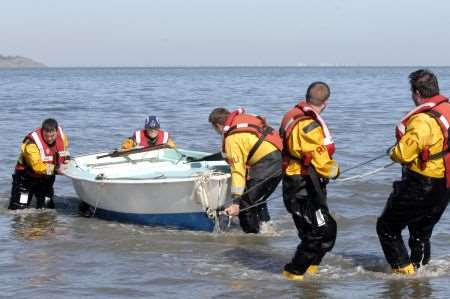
{"x": 120, "y": 153}
{"x": 213, "y": 157}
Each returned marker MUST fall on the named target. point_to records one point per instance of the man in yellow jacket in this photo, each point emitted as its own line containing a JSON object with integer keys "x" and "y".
{"x": 150, "y": 136}
{"x": 308, "y": 164}
{"x": 253, "y": 150}
{"x": 43, "y": 153}
{"x": 421, "y": 196}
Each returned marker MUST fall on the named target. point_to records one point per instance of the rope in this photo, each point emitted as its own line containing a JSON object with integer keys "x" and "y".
{"x": 364, "y": 163}
{"x": 257, "y": 203}
{"x": 359, "y": 176}
{"x": 260, "y": 183}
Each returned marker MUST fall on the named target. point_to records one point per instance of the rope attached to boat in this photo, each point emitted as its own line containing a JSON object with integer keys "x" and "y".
{"x": 210, "y": 206}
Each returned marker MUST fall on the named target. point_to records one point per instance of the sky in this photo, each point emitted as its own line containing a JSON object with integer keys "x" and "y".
{"x": 227, "y": 32}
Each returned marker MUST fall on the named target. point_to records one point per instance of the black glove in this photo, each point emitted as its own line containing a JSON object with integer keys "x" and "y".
{"x": 190, "y": 159}
{"x": 235, "y": 199}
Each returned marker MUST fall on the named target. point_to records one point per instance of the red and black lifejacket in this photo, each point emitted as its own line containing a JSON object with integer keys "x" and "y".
{"x": 437, "y": 107}
{"x": 142, "y": 139}
{"x": 299, "y": 112}
{"x": 238, "y": 121}
{"x": 55, "y": 154}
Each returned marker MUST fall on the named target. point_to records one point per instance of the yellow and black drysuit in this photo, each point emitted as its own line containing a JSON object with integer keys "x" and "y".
{"x": 419, "y": 199}
{"x": 253, "y": 151}
{"x": 307, "y": 165}
{"x": 35, "y": 170}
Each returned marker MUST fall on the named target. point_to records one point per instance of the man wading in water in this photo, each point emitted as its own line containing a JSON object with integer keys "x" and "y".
{"x": 253, "y": 150}
{"x": 307, "y": 165}
{"x": 421, "y": 196}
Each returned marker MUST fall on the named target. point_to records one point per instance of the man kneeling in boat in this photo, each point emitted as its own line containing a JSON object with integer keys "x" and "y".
{"x": 43, "y": 154}
{"x": 253, "y": 150}
{"x": 150, "y": 136}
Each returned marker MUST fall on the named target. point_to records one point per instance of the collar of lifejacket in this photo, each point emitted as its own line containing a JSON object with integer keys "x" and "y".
{"x": 309, "y": 111}
{"x": 230, "y": 118}
{"x": 427, "y": 105}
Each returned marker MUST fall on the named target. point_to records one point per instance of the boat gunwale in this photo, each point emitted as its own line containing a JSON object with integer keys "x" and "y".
{"x": 154, "y": 180}
{"x": 146, "y": 181}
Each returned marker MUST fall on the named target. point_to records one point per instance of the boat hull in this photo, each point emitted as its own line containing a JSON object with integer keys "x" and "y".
{"x": 192, "y": 221}
{"x": 180, "y": 202}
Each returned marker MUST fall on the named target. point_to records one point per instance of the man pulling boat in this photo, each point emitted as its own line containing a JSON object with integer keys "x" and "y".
{"x": 43, "y": 154}
{"x": 253, "y": 150}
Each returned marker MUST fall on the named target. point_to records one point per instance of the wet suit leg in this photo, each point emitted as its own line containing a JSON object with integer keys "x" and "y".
{"x": 24, "y": 186}
{"x": 22, "y": 191}
{"x": 316, "y": 228}
{"x": 267, "y": 167}
{"x": 44, "y": 193}
{"x": 417, "y": 202}
{"x": 420, "y": 231}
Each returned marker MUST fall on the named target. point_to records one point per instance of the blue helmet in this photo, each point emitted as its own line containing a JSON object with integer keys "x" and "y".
{"x": 152, "y": 122}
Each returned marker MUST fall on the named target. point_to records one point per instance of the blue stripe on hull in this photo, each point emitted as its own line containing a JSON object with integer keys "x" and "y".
{"x": 193, "y": 221}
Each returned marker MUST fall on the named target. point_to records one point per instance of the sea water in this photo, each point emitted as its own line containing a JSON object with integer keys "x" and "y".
{"x": 57, "y": 254}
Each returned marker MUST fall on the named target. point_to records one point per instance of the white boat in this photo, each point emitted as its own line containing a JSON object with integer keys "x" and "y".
{"x": 153, "y": 187}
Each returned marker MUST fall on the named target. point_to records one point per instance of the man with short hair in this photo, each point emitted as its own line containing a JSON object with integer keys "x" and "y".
{"x": 419, "y": 199}
{"x": 43, "y": 154}
{"x": 150, "y": 136}
{"x": 253, "y": 150}
{"x": 307, "y": 167}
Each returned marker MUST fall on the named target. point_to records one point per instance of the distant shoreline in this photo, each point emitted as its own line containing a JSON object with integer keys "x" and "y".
{"x": 223, "y": 67}
{"x": 19, "y": 62}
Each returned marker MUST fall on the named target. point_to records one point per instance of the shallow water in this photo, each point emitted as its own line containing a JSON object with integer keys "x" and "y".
{"x": 53, "y": 254}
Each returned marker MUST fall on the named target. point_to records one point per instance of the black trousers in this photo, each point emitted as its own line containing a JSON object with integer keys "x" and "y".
{"x": 417, "y": 202}
{"x": 24, "y": 186}
{"x": 263, "y": 179}
{"x": 316, "y": 228}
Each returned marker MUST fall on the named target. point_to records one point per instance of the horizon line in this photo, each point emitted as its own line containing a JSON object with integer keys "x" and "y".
{"x": 239, "y": 66}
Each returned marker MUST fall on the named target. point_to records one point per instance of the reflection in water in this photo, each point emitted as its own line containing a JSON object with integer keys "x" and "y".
{"x": 310, "y": 290}
{"x": 407, "y": 288}
{"x": 33, "y": 226}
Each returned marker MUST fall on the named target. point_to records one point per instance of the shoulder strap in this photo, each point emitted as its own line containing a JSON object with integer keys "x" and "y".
{"x": 258, "y": 143}
{"x": 436, "y": 115}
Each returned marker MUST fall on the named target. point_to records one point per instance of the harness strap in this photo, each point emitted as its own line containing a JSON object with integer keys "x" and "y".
{"x": 435, "y": 114}
{"x": 266, "y": 131}
{"x": 321, "y": 196}
{"x": 239, "y": 126}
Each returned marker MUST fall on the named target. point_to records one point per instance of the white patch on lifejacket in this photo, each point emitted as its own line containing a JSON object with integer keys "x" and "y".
{"x": 166, "y": 137}
{"x": 319, "y": 218}
{"x": 288, "y": 124}
{"x": 137, "y": 137}
{"x": 243, "y": 125}
{"x": 240, "y": 110}
{"x": 45, "y": 153}
{"x": 401, "y": 128}
{"x": 38, "y": 142}
{"x": 418, "y": 108}
{"x": 61, "y": 133}
{"x": 23, "y": 198}
{"x": 328, "y": 138}
{"x": 226, "y": 128}
{"x": 444, "y": 121}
